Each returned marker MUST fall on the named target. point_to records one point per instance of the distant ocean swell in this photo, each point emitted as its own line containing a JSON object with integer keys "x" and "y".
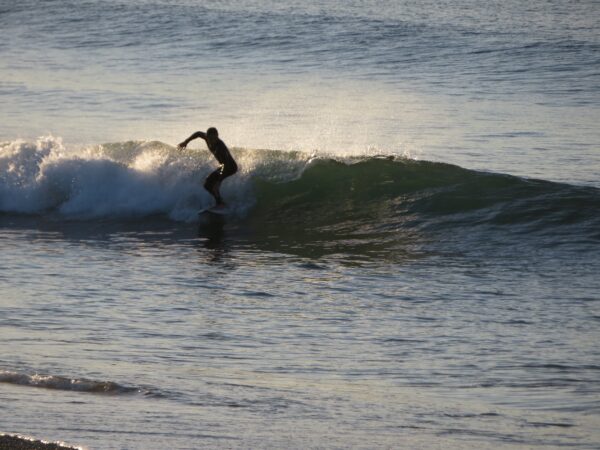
{"x": 130, "y": 180}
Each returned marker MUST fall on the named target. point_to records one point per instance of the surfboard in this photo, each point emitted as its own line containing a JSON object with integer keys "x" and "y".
{"x": 216, "y": 211}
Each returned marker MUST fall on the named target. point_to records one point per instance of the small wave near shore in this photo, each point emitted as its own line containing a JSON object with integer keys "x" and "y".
{"x": 62, "y": 383}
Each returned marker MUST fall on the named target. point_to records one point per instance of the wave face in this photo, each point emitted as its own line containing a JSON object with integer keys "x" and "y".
{"x": 398, "y": 208}
{"x": 422, "y": 192}
{"x": 356, "y": 195}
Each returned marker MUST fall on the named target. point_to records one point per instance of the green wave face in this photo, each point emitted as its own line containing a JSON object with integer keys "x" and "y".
{"x": 330, "y": 191}
{"x": 386, "y": 205}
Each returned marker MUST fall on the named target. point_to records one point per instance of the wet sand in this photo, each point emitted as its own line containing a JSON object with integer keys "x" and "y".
{"x": 10, "y": 442}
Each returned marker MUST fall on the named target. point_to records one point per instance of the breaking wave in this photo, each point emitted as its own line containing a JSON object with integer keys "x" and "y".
{"x": 363, "y": 194}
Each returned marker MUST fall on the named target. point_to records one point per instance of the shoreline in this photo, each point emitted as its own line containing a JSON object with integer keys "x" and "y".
{"x": 19, "y": 442}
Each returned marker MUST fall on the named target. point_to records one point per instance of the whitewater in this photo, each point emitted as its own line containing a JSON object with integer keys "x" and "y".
{"x": 413, "y": 251}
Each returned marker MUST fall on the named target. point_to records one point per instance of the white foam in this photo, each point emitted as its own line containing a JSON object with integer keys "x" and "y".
{"x": 123, "y": 180}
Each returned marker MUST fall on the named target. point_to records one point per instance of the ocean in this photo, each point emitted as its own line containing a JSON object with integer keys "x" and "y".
{"x": 412, "y": 252}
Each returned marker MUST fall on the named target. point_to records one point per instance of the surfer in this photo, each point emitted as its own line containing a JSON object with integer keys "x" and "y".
{"x": 220, "y": 151}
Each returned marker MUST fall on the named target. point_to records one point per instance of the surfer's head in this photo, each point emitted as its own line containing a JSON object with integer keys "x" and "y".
{"x": 212, "y": 134}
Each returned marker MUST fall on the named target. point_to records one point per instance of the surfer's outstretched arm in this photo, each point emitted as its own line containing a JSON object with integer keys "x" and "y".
{"x": 196, "y": 135}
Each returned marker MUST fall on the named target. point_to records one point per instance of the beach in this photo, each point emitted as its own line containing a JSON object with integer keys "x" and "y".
{"x": 8, "y": 442}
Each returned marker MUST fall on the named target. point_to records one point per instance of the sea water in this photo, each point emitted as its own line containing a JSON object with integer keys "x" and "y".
{"x": 412, "y": 256}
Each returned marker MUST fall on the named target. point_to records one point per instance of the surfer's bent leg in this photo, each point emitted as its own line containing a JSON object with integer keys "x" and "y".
{"x": 211, "y": 184}
{"x": 213, "y": 181}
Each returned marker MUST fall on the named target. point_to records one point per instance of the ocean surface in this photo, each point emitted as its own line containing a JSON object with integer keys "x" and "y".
{"x": 412, "y": 256}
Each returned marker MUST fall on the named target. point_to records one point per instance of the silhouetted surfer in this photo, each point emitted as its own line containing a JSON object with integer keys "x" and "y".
{"x": 220, "y": 151}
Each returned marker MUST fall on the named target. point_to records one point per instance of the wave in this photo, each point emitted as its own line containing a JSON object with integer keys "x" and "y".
{"x": 291, "y": 190}
{"x": 67, "y": 384}
{"x": 381, "y": 189}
